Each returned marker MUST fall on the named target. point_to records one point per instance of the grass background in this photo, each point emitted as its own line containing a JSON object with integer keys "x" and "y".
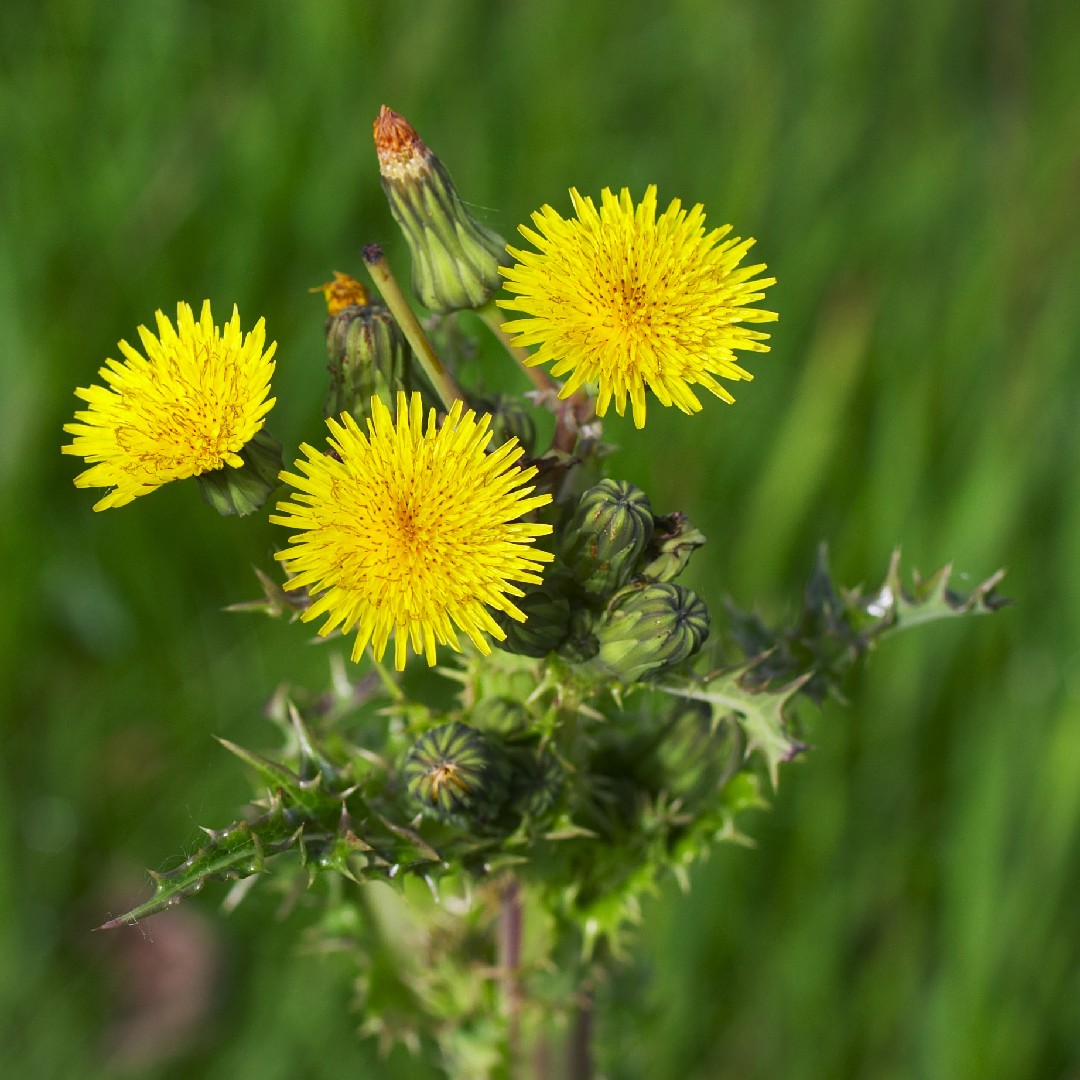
{"x": 911, "y": 172}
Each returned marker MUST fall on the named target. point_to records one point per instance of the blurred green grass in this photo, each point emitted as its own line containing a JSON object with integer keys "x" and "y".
{"x": 911, "y": 173}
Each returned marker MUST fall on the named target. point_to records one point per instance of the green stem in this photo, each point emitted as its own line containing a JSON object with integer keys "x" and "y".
{"x": 492, "y": 316}
{"x": 397, "y": 695}
{"x": 396, "y": 301}
{"x": 510, "y": 925}
{"x": 570, "y": 413}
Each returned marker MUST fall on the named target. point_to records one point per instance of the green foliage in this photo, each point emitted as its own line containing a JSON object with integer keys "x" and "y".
{"x": 588, "y": 792}
{"x": 835, "y": 627}
{"x": 910, "y": 175}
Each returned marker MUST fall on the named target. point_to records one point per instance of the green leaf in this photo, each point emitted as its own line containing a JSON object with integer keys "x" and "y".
{"x": 236, "y": 852}
{"x": 894, "y": 607}
{"x": 836, "y": 627}
{"x": 308, "y": 794}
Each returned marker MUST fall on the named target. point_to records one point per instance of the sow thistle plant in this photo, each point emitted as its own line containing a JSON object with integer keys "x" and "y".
{"x": 484, "y": 858}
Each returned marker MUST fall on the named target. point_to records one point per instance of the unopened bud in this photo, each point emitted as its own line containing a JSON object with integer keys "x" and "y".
{"x": 455, "y": 259}
{"x": 547, "y": 622}
{"x": 501, "y": 715}
{"x": 537, "y": 783}
{"x": 647, "y": 629}
{"x": 243, "y": 490}
{"x": 699, "y": 750}
{"x": 673, "y": 541}
{"x": 510, "y": 419}
{"x": 367, "y": 355}
{"x": 455, "y": 774}
{"x": 581, "y": 643}
{"x": 606, "y": 536}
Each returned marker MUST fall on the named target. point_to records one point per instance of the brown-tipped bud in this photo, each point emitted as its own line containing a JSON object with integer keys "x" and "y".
{"x": 673, "y": 541}
{"x": 455, "y": 259}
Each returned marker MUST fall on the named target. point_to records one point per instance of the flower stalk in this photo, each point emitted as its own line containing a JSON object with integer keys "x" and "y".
{"x": 440, "y": 379}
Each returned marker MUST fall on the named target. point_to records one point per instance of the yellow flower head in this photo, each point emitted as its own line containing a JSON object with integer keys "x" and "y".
{"x": 625, "y": 300}
{"x": 186, "y": 407}
{"x": 412, "y": 531}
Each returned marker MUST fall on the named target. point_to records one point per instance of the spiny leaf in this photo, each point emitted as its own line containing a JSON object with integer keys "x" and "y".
{"x": 236, "y": 852}
{"x": 894, "y": 607}
{"x": 836, "y": 627}
{"x": 308, "y": 794}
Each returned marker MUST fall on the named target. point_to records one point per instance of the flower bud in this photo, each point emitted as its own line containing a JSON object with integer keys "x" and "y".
{"x": 455, "y": 259}
{"x": 673, "y": 541}
{"x": 547, "y": 622}
{"x": 367, "y": 352}
{"x": 510, "y": 419}
{"x": 607, "y": 534}
{"x": 647, "y": 629}
{"x": 243, "y": 490}
{"x": 537, "y": 784}
{"x": 581, "y": 643}
{"x": 454, "y": 773}
{"x": 699, "y": 752}
{"x": 502, "y": 715}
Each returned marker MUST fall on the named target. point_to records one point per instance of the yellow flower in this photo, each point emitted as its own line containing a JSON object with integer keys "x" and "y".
{"x": 187, "y": 407}
{"x": 412, "y": 531}
{"x": 628, "y": 301}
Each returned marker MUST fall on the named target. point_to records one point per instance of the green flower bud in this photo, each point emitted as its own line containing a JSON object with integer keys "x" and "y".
{"x": 700, "y": 753}
{"x": 456, "y": 774}
{"x": 502, "y": 715}
{"x": 455, "y": 259}
{"x": 647, "y": 629}
{"x": 510, "y": 419}
{"x": 605, "y": 538}
{"x": 367, "y": 354}
{"x": 242, "y": 491}
{"x": 581, "y": 643}
{"x": 547, "y": 622}
{"x": 673, "y": 541}
{"x": 537, "y": 784}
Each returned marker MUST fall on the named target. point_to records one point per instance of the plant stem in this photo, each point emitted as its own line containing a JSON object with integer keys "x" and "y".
{"x": 570, "y": 413}
{"x": 510, "y": 924}
{"x": 396, "y": 301}
{"x": 537, "y": 375}
{"x": 579, "y": 1062}
{"x": 390, "y": 685}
